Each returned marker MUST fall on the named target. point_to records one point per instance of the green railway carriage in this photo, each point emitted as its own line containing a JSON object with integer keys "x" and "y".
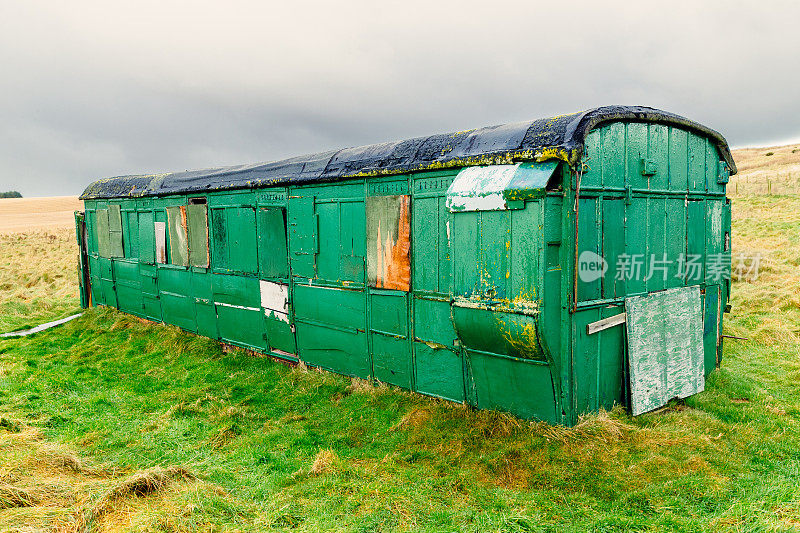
{"x": 541, "y": 268}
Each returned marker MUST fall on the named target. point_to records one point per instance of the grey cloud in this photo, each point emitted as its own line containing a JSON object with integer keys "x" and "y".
{"x": 92, "y": 89}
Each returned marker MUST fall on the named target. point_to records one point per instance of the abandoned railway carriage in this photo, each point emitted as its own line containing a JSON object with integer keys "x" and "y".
{"x": 539, "y": 268}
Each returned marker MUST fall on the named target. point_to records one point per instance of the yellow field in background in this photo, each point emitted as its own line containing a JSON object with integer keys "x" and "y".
{"x": 19, "y": 215}
{"x": 770, "y": 170}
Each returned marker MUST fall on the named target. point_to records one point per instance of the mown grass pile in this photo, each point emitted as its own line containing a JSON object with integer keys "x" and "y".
{"x": 110, "y": 423}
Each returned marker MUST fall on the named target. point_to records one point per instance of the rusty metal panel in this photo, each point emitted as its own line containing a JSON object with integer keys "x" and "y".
{"x": 178, "y": 235}
{"x": 388, "y": 242}
{"x": 665, "y": 347}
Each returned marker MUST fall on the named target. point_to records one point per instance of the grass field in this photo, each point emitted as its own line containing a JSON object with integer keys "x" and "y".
{"x": 112, "y": 424}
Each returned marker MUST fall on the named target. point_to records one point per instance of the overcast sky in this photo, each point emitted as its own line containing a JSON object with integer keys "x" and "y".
{"x": 97, "y": 89}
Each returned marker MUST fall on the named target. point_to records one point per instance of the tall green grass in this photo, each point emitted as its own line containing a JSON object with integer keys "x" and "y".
{"x": 280, "y": 448}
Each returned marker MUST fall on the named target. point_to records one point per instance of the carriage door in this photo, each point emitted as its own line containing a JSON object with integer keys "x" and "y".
{"x": 389, "y": 277}
{"x": 273, "y": 273}
{"x": 83, "y": 261}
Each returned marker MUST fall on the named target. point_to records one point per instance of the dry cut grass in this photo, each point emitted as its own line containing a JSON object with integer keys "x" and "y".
{"x": 48, "y": 487}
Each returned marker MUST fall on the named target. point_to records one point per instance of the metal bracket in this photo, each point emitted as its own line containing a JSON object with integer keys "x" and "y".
{"x": 649, "y": 167}
{"x": 723, "y": 174}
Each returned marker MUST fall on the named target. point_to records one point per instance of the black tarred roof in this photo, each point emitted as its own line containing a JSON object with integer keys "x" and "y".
{"x": 561, "y": 137}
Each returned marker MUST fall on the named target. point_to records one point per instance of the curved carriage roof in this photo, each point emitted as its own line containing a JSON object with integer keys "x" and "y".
{"x": 561, "y": 137}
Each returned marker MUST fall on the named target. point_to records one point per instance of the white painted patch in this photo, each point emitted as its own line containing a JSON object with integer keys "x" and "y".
{"x": 275, "y": 300}
{"x": 161, "y": 242}
{"x": 480, "y": 188}
{"x": 238, "y": 306}
{"x": 716, "y": 221}
{"x": 447, "y": 227}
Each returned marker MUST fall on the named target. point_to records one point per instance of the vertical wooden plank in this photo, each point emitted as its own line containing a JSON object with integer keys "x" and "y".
{"x": 524, "y": 270}
{"x": 696, "y": 241}
{"x": 593, "y": 160}
{"x": 303, "y": 234}
{"x": 219, "y": 238}
{"x": 613, "y": 155}
{"x": 425, "y": 241}
{"x": 678, "y": 162}
{"x": 697, "y": 163}
{"x": 131, "y": 229}
{"x": 657, "y": 146}
{"x": 197, "y": 225}
{"x": 352, "y": 237}
{"x": 656, "y": 260}
{"x": 146, "y": 237}
{"x": 494, "y": 251}
{"x": 103, "y": 245}
{"x": 613, "y": 245}
{"x": 115, "y": 231}
{"x": 611, "y": 361}
{"x": 445, "y": 225}
{"x": 329, "y": 229}
{"x": 636, "y": 139}
{"x": 588, "y": 248}
{"x": 465, "y": 252}
{"x": 711, "y": 317}
{"x": 242, "y": 240}
{"x": 586, "y": 358}
{"x": 675, "y": 235}
{"x": 272, "y": 251}
{"x": 636, "y": 236}
{"x": 712, "y": 168}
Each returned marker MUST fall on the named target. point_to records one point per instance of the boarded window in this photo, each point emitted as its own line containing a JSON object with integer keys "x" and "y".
{"x": 160, "y": 242}
{"x": 234, "y": 239}
{"x": 272, "y": 252}
{"x": 388, "y": 242}
{"x": 178, "y": 235}
{"x": 103, "y": 248}
{"x": 115, "y": 231}
{"x": 131, "y": 229}
{"x": 146, "y": 237}
{"x": 197, "y": 214}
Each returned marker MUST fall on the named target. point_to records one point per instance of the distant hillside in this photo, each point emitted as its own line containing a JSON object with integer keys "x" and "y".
{"x": 770, "y": 170}
{"x": 10, "y": 194}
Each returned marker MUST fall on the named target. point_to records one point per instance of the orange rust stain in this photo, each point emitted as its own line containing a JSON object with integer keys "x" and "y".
{"x": 394, "y": 266}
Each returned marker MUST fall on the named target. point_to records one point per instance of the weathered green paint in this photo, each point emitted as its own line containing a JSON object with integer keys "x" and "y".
{"x": 494, "y": 314}
{"x": 115, "y": 230}
{"x": 665, "y": 346}
{"x": 197, "y": 226}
